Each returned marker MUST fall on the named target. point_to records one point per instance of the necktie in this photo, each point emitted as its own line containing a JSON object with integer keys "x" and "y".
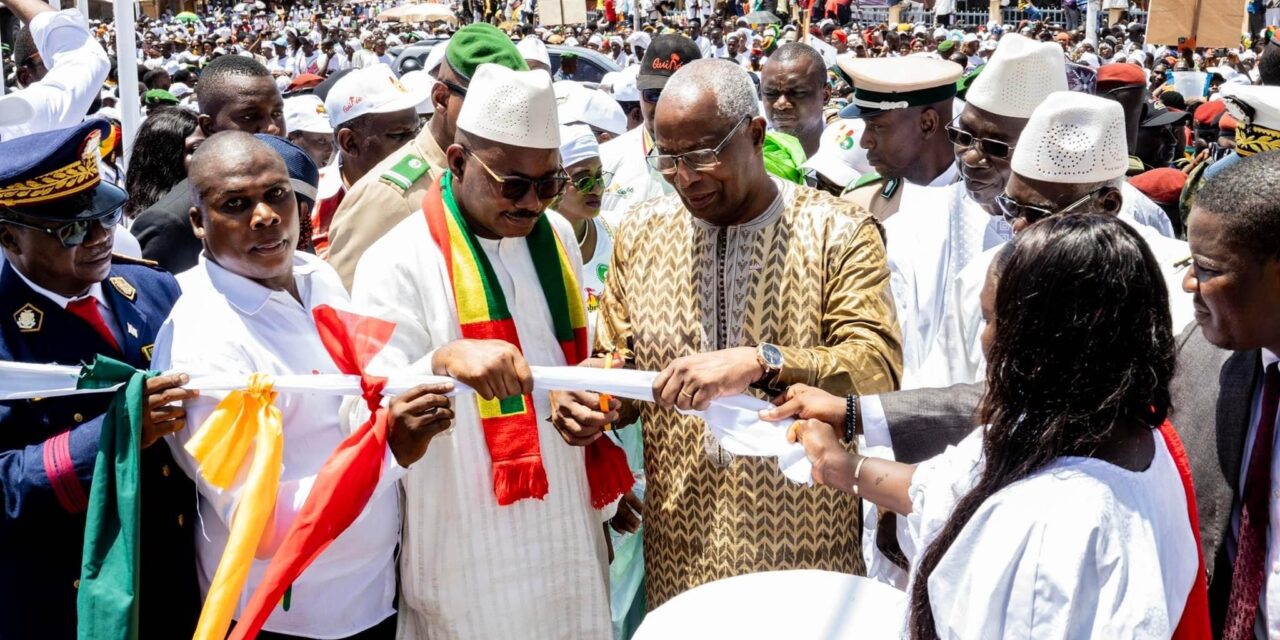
{"x": 87, "y": 309}
{"x": 1249, "y": 571}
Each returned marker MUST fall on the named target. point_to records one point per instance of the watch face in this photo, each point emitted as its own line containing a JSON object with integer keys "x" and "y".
{"x": 771, "y": 355}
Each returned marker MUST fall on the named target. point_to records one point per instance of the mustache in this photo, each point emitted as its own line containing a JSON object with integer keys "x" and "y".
{"x": 522, "y": 213}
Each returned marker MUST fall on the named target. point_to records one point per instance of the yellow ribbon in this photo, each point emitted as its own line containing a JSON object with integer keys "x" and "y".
{"x": 243, "y": 418}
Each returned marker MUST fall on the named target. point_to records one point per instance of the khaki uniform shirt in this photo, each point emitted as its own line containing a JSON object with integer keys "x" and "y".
{"x": 391, "y": 191}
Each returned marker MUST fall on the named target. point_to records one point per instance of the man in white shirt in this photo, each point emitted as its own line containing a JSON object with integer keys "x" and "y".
{"x": 247, "y": 308}
{"x": 634, "y": 181}
{"x": 60, "y": 70}
{"x": 481, "y": 557}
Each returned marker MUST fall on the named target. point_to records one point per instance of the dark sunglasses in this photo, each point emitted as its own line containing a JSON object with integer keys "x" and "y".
{"x": 514, "y": 187}
{"x": 1012, "y": 210}
{"x": 651, "y": 95}
{"x": 455, "y": 87}
{"x": 993, "y": 148}
{"x": 588, "y": 182}
{"x": 74, "y": 233}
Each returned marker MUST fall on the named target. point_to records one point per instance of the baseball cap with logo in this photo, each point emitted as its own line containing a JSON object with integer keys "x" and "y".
{"x": 370, "y": 90}
{"x": 306, "y": 114}
{"x": 665, "y": 55}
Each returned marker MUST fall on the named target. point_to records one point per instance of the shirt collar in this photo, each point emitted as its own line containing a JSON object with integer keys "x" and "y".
{"x": 244, "y": 294}
{"x": 1269, "y": 358}
{"x": 95, "y": 291}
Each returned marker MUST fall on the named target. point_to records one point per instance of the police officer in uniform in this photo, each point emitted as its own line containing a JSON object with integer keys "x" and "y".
{"x": 394, "y": 188}
{"x": 907, "y": 105}
{"x": 64, "y": 298}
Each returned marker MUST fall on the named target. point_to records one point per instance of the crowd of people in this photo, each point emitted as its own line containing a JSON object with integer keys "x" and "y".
{"x": 1014, "y": 289}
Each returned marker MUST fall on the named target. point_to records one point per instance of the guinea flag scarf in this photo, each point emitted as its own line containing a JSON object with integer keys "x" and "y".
{"x": 510, "y": 425}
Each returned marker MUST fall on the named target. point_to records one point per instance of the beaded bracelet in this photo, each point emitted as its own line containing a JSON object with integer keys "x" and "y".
{"x": 850, "y": 417}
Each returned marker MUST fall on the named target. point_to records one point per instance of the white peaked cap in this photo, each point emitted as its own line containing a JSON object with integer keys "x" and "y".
{"x": 532, "y": 49}
{"x": 517, "y": 108}
{"x": 1019, "y": 76}
{"x": 1073, "y": 138}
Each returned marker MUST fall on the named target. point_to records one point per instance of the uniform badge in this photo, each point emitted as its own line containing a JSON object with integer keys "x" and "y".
{"x": 131, "y": 330}
{"x": 124, "y": 288}
{"x": 147, "y": 351}
{"x": 29, "y": 318}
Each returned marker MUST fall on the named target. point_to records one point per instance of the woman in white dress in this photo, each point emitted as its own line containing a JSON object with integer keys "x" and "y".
{"x": 1068, "y": 516}
{"x": 580, "y": 205}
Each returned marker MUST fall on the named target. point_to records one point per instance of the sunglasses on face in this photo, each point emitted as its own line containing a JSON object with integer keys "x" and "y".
{"x": 455, "y": 87}
{"x": 589, "y": 182}
{"x": 1012, "y": 210}
{"x": 73, "y": 234}
{"x": 514, "y": 187}
{"x": 993, "y": 148}
{"x": 698, "y": 159}
{"x": 651, "y": 95}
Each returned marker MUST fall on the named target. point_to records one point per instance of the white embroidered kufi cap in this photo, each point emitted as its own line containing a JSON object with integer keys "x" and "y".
{"x": 1019, "y": 76}
{"x": 1074, "y": 138}
{"x": 517, "y": 108}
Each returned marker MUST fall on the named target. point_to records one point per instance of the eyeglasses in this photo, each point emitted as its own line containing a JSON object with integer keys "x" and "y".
{"x": 590, "y": 181}
{"x": 651, "y": 95}
{"x": 698, "y": 159}
{"x": 514, "y": 187}
{"x": 962, "y": 138}
{"x": 1012, "y": 209}
{"x": 455, "y": 87}
{"x": 73, "y": 234}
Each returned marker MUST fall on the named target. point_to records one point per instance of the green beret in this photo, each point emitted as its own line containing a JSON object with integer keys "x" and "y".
{"x": 568, "y": 55}
{"x": 946, "y": 46}
{"x": 159, "y": 96}
{"x": 966, "y": 81}
{"x": 480, "y": 43}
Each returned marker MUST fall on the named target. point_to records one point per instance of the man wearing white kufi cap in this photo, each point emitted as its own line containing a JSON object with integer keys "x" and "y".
{"x": 535, "y": 53}
{"x": 926, "y": 250}
{"x": 1072, "y": 158}
{"x": 501, "y": 538}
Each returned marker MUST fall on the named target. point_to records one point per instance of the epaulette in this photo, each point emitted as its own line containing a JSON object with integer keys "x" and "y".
{"x": 120, "y": 258}
{"x": 403, "y": 174}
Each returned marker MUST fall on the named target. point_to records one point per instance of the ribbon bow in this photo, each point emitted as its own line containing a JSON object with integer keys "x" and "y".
{"x": 243, "y": 418}
{"x": 346, "y": 481}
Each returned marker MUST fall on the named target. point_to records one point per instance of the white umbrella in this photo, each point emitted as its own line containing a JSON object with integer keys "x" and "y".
{"x": 419, "y": 13}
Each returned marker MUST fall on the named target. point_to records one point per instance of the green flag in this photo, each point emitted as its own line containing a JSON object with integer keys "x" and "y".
{"x": 107, "y": 602}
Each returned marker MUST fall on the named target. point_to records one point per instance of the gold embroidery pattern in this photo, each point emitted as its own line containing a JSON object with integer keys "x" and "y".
{"x": 74, "y": 178}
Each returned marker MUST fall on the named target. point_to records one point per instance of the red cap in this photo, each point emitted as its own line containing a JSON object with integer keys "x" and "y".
{"x": 840, "y": 35}
{"x": 1163, "y": 185}
{"x": 1209, "y": 111}
{"x": 1121, "y": 74}
{"x": 304, "y": 81}
{"x": 1226, "y": 123}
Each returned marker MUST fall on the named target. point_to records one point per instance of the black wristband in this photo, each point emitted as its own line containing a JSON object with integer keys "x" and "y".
{"x": 850, "y": 417}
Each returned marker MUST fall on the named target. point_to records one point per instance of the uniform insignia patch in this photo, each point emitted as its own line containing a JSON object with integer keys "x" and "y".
{"x": 29, "y": 319}
{"x": 147, "y": 351}
{"x": 132, "y": 330}
{"x": 124, "y": 288}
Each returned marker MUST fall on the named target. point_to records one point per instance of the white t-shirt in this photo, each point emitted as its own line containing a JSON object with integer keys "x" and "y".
{"x": 1079, "y": 549}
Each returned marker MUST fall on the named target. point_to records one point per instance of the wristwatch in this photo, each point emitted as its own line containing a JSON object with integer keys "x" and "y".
{"x": 769, "y": 357}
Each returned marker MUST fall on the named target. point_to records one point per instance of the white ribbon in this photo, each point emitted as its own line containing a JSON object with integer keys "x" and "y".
{"x": 734, "y": 420}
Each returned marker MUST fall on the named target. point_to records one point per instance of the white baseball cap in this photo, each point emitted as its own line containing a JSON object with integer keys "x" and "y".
{"x": 370, "y": 90}
{"x": 840, "y": 158}
{"x": 420, "y": 80}
{"x": 1018, "y": 77}
{"x": 516, "y": 108}
{"x": 593, "y": 107}
{"x": 306, "y": 113}
{"x": 622, "y": 84}
{"x": 1073, "y": 138}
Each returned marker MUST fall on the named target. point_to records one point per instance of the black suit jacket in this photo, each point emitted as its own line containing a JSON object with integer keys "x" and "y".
{"x": 1212, "y": 393}
{"x": 164, "y": 231}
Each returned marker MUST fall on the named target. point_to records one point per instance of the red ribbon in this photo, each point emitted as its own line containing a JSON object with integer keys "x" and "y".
{"x": 346, "y": 481}
{"x": 1194, "y": 624}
